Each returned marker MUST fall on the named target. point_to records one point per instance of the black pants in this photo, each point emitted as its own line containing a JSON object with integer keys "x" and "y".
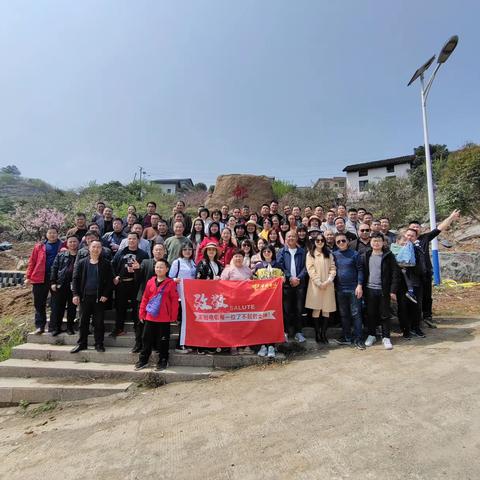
{"x": 409, "y": 313}
{"x": 378, "y": 312}
{"x": 125, "y": 296}
{"x": 90, "y": 307}
{"x": 40, "y": 295}
{"x": 427, "y": 301}
{"x": 156, "y": 336}
{"x": 293, "y": 301}
{"x": 61, "y": 300}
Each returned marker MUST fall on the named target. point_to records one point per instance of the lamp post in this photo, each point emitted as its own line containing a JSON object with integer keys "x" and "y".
{"x": 446, "y": 51}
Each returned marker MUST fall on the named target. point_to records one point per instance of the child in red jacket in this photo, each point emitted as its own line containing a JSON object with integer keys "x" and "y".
{"x": 158, "y": 308}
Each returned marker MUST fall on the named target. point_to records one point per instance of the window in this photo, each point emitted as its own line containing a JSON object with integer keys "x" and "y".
{"x": 341, "y": 184}
{"x": 363, "y": 185}
{"x": 363, "y": 172}
{"x": 169, "y": 190}
{"x": 390, "y": 168}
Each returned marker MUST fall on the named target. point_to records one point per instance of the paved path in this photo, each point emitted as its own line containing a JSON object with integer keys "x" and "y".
{"x": 411, "y": 413}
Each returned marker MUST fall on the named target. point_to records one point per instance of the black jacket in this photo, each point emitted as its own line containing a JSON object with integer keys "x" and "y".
{"x": 390, "y": 272}
{"x": 105, "y": 278}
{"x": 359, "y": 246}
{"x": 62, "y": 269}
{"x": 415, "y": 274}
{"x": 118, "y": 262}
{"x": 205, "y": 272}
{"x": 147, "y": 271}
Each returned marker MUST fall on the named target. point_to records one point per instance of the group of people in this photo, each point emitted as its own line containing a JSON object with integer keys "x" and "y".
{"x": 338, "y": 264}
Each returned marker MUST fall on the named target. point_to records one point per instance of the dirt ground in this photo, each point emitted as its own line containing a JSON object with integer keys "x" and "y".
{"x": 410, "y": 413}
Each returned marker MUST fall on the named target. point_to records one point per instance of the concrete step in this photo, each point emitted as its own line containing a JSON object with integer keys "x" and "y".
{"x": 17, "y": 367}
{"x": 110, "y": 324}
{"x": 122, "y": 355}
{"x": 64, "y": 339}
{"x": 13, "y": 390}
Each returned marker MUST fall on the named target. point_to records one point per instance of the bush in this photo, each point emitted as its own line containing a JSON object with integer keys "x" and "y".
{"x": 281, "y": 188}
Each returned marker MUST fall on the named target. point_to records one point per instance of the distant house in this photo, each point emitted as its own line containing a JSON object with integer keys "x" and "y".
{"x": 360, "y": 175}
{"x": 334, "y": 183}
{"x": 174, "y": 185}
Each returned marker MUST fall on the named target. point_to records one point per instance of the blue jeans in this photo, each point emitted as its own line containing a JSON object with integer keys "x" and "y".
{"x": 350, "y": 308}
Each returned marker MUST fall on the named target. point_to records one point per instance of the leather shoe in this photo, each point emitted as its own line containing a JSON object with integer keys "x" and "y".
{"x": 56, "y": 333}
{"x": 100, "y": 348}
{"x": 77, "y": 349}
{"x": 136, "y": 349}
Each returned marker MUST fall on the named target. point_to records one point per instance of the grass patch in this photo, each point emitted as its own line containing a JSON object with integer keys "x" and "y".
{"x": 11, "y": 335}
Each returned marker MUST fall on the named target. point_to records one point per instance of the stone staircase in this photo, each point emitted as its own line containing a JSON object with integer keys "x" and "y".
{"x": 43, "y": 368}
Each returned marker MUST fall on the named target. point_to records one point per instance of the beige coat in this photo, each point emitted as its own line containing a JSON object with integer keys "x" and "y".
{"x": 320, "y": 269}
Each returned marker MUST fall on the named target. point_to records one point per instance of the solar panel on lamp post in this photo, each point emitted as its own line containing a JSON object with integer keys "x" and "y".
{"x": 446, "y": 51}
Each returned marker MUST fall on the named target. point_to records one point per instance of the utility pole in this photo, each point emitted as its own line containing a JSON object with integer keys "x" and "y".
{"x": 141, "y": 172}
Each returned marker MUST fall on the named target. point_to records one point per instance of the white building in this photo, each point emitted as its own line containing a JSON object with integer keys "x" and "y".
{"x": 361, "y": 174}
{"x": 173, "y": 185}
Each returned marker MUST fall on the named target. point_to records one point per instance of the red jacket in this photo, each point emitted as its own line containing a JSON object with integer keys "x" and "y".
{"x": 226, "y": 254}
{"x": 204, "y": 243}
{"x": 169, "y": 306}
{"x": 37, "y": 264}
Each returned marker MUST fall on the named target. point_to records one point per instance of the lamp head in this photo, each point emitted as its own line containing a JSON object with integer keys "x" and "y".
{"x": 447, "y": 49}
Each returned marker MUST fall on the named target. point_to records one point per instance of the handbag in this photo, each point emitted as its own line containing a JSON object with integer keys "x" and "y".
{"x": 154, "y": 304}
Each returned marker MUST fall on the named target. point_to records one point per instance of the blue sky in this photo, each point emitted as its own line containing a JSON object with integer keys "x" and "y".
{"x": 298, "y": 89}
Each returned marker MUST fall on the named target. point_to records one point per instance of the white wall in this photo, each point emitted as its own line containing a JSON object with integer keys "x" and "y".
{"x": 376, "y": 174}
{"x": 168, "y": 186}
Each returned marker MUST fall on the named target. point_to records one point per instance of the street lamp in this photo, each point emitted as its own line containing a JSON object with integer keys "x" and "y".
{"x": 446, "y": 51}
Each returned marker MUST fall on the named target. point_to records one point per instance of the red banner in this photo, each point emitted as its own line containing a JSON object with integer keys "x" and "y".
{"x": 224, "y": 313}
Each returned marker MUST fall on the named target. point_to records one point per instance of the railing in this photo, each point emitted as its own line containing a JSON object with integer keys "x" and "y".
{"x": 11, "y": 278}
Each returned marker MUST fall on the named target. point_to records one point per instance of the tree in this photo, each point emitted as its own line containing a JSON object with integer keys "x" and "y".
{"x": 438, "y": 154}
{"x": 459, "y": 186}
{"x": 35, "y": 223}
{"x": 211, "y": 188}
{"x": 200, "y": 187}
{"x": 10, "y": 170}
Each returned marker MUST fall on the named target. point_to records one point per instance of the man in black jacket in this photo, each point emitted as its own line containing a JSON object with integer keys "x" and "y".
{"x": 409, "y": 312}
{"x": 380, "y": 286}
{"x": 423, "y": 242}
{"x": 61, "y": 279}
{"x": 126, "y": 267}
{"x": 92, "y": 286}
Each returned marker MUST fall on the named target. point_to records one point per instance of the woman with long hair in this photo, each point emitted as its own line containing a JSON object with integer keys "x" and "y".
{"x": 267, "y": 226}
{"x": 204, "y": 214}
{"x": 213, "y": 236}
{"x": 182, "y": 267}
{"x": 273, "y": 239}
{"x": 257, "y": 257}
{"x": 226, "y": 247}
{"x": 284, "y": 228}
{"x": 302, "y": 234}
{"x": 247, "y": 249}
{"x": 320, "y": 292}
{"x": 197, "y": 234}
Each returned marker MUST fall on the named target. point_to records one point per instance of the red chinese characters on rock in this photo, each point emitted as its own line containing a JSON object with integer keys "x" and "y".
{"x": 240, "y": 192}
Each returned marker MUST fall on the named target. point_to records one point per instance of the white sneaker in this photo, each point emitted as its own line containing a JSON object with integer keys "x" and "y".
{"x": 263, "y": 351}
{"x": 387, "y": 344}
{"x": 182, "y": 350}
{"x": 247, "y": 351}
{"x": 299, "y": 337}
{"x": 371, "y": 339}
{"x": 286, "y": 337}
{"x": 271, "y": 352}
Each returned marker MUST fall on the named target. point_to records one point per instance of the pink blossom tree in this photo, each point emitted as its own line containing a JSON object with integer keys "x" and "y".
{"x": 36, "y": 223}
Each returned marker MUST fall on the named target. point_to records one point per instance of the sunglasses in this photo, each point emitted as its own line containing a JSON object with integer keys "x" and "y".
{"x": 341, "y": 241}
{"x": 364, "y": 229}
{"x": 318, "y": 240}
